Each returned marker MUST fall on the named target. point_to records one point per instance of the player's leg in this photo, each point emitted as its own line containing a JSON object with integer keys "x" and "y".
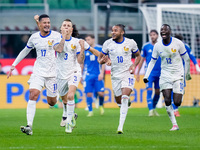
{"x": 63, "y": 89}
{"x": 156, "y": 95}
{"x": 89, "y": 88}
{"x": 70, "y": 108}
{"x": 176, "y": 112}
{"x": 149, "y": 95}
{"x": 99, "y": 86}
{"x": 124, "y": 108}
{"x": 169, "y": 108}
{"x": 127, "y": 85}
{"x": 178, "y": 90}
{"x": 52, "y": 91}
{"x": 36, "y": 84}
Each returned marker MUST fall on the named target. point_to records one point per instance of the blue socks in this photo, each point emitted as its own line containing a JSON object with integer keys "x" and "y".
{"x": 89, "y": 103}
{"x": 101, "y": 101}
{"x": 149, "y": 99}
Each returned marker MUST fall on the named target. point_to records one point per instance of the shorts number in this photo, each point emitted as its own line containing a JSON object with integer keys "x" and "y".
{"x": 120, "y": 59}
{"x": 66, "y": 56}
{"x": 43, "y": 52}
{"x": 169, "y": 60}
{"x": 131, "y": 81}
{"x": 75, "y": 78}
{"x": 54, "y": 87}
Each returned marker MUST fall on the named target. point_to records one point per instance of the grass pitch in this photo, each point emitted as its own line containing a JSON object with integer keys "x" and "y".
{"x": 99, "y": 132}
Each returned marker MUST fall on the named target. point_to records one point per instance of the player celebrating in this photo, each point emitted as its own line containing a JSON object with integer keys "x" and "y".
{"x": 170, "y": 50}
{"x": 120, "y": 50}
{"x": 94, "y": 75}
{"x": 147, "y": 50}
{"x": 189, "y": 51}
{"x": 44, "y": 71}
{"x": 69, "y": 70}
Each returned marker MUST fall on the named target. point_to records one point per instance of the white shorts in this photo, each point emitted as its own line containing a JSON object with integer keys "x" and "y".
{"x": 63, "y": 84}
{"x": 127, "y": 81}
{"x": 177, "y": 86}
{"x": 38, "y": 82}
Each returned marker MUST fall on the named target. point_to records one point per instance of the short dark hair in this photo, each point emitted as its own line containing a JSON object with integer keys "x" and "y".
{"x": 179, "y": 36}
{"x": 167, "y": 26}
{"x": 90, "y": 35}
{"x": 75, "y": 30}
{"x": 43, "y": 16}
{"x": 121, "y": 26}
{"x": 155, "y": 31}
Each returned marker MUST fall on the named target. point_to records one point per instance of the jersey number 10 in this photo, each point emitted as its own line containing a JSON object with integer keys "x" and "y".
{"x": 120, "y": 59}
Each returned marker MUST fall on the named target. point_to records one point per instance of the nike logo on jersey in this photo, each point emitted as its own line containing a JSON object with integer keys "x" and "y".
{"x": 112, "y": 50}
{"x": 36, "y": 43}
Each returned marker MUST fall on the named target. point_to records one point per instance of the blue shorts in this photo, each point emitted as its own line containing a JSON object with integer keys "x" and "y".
{"x": 92, "y": 84}
{"x": 155, "y": 80}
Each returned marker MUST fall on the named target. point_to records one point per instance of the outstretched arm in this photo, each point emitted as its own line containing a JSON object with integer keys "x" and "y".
{"x": 21, "y": 56}
{"x": 187, "y": 66}
{"x": 149, "y": 69}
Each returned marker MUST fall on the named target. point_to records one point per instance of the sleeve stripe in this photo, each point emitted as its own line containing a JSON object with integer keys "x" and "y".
{"x": 28, "y": 46}
{"x": 154, "y": 58}
{"x": 183, "y": 53}
{"x": 87, "y": 49}
{"x": 55, "y": 44}
{"x": 104, "y": 53}
{"x": 135, "y": 51}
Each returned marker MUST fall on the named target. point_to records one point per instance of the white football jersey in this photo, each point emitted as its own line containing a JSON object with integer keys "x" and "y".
{"x": 45, "y": 64}
{"x": 67, "y": 60}
{"x": 120, "y": 55}
{"x": 171, "y": 61}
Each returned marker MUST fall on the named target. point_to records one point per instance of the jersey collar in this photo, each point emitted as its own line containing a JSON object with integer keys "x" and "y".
{"x": 121, "y": 41}
{"x": 46, "y": 35}
{"x": 169, "y": 42}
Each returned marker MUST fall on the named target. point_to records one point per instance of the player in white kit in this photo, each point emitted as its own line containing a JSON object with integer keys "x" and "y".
{"x": 70, "y": 56}
{"x": 44, "y": 71}
{"x": 120, "y": 49}
{"x": 170, "y": 50}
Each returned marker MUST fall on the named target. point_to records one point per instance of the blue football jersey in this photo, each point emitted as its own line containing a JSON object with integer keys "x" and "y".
{"x": 91, "y": 64}
{"x": 147, "y": 50}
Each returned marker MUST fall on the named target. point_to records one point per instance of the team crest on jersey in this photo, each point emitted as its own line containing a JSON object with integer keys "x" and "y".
{"x": 50, "y": 42}
{"x": 73, "y": 47}
{"x": 173, "y": 50}
{"x": 126, "y": 49}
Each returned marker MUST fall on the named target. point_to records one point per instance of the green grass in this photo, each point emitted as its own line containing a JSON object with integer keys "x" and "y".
{"x": 99, "y": 132}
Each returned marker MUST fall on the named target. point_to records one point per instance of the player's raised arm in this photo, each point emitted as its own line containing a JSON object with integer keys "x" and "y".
{"x": 81, "y": 55}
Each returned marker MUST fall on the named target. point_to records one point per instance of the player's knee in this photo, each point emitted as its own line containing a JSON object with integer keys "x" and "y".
{"x": 70, "y": 96}
{"x": 33, "y": 95}
{"x": 51, "y": 101}
{"x": 167, "y": 102}
{"x": 101, "y": 94}
{"x": 89, "y": 94}
{"x": 177, "y": 103}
